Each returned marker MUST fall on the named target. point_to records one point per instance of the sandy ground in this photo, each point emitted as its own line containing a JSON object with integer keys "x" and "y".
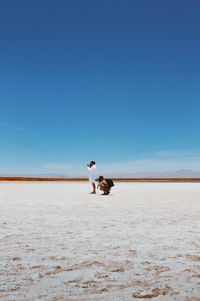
{"x": 58, "y": 242}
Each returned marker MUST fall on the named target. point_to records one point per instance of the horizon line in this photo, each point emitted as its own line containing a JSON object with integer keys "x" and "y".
{"x": 84, "y": 179}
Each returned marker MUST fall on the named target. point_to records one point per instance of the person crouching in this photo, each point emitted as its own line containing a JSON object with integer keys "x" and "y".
{"x": 105, "y": 185}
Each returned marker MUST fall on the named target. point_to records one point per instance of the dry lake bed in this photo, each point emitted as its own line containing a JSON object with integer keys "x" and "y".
{"x": 58, "y": 242}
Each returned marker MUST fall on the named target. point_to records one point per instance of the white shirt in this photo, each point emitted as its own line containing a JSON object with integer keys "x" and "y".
{"x": 92, "y": 173}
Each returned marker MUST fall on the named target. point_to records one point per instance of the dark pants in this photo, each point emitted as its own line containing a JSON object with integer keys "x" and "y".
{"x": 106, "y": 189}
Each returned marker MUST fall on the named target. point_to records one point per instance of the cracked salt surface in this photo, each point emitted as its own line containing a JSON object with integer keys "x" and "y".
{"x": 58, "y": 242}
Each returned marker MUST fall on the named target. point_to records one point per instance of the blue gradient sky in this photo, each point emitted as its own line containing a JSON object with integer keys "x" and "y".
{"x": 113, "y": 81}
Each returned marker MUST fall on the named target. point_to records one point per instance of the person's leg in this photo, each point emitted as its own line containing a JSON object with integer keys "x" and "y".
{"x": 109, "y": 189}
{"x": 94, "y": 188}
{"x": 102, "y": 188}
{"x": 105, "y": 189}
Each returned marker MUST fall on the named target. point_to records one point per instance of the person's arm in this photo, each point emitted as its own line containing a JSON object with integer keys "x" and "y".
{"x": 100, "y": 184}
{"x": 104, "y": 182}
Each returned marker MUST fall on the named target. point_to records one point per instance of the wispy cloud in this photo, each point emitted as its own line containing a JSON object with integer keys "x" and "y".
{"x": 6, "y": 147}
{"x": 14, "y": 127}
{"x": 10, "y": 131}
{"x": 160, "y": 162}
{"x": 151, "y": 165}
{"x": 176, "y": 154}
{"x": 59, "y": 166}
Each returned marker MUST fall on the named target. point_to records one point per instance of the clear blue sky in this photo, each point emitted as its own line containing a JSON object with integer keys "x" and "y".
{"x": 113, "y": 81}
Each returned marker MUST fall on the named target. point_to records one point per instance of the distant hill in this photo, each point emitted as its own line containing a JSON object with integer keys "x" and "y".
{"x": 184, "y": 173}
{"x": 168, "y": 174}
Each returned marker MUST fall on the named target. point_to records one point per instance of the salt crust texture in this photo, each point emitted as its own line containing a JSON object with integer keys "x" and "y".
{"x": 58, "y": 242}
